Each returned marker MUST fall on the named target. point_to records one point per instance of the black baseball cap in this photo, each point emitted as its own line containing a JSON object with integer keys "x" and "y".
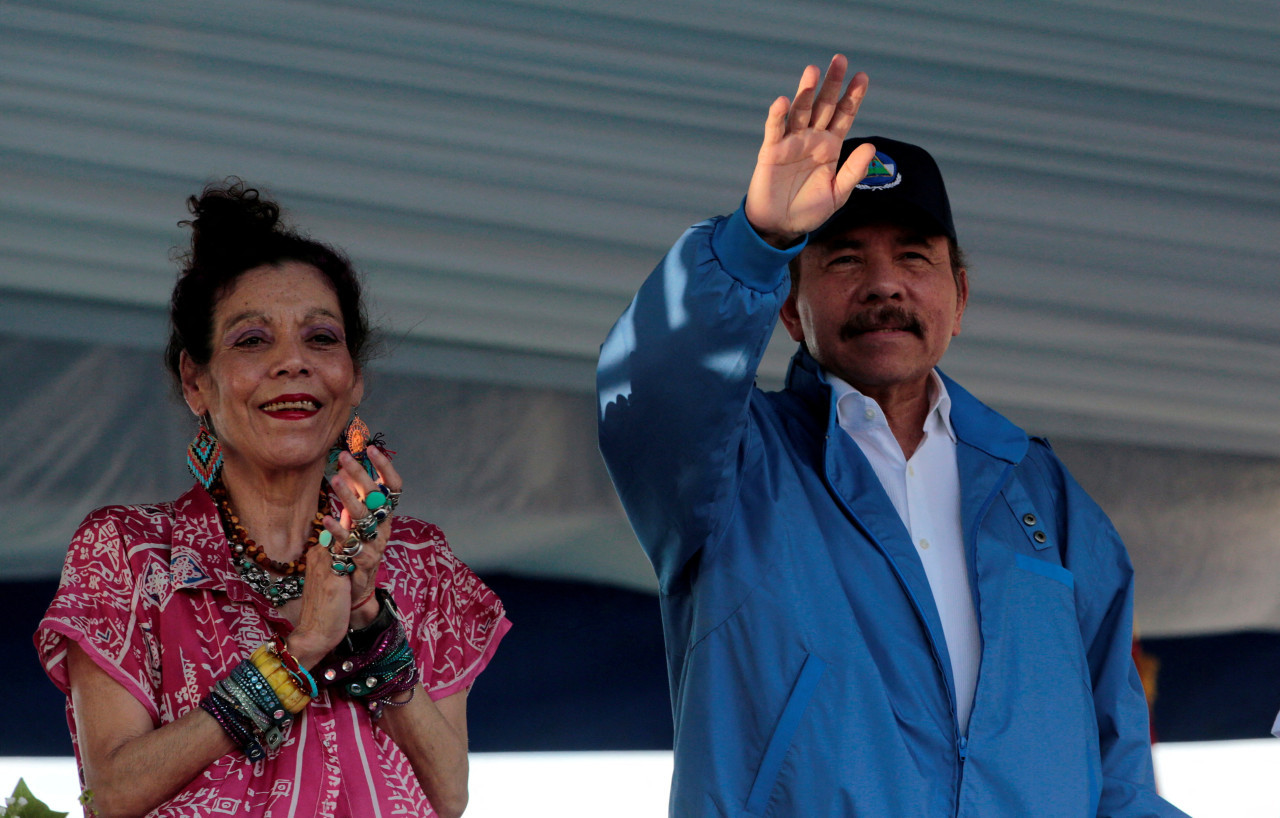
{"x": 903, "y": 182}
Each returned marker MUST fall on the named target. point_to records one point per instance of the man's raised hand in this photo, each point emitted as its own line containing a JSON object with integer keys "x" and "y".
{"x": 797, "y": 185}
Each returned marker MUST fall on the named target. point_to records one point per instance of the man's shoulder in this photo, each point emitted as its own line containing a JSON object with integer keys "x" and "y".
{"x": 978, "y": 425}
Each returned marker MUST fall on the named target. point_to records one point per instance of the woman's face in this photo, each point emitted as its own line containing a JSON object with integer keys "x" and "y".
{"x": 280, "y": 383}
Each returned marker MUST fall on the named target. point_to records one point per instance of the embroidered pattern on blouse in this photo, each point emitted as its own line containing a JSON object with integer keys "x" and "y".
{"x": 150, "y": 593}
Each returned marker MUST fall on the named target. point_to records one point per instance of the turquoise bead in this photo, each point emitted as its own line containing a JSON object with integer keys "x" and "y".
{"x": 375, "y": 500}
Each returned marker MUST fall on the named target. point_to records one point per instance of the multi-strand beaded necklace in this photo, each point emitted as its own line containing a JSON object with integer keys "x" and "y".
{"x": 251, "y": 561}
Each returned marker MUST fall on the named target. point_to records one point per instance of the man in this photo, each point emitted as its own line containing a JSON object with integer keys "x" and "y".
{"x": 880, "y": 597}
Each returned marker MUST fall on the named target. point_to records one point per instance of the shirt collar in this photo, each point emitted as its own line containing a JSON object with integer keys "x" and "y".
{"x": 852, "y": 406}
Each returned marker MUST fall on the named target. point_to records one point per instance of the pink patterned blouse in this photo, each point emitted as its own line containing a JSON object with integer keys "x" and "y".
{"x": 150, "y": 593}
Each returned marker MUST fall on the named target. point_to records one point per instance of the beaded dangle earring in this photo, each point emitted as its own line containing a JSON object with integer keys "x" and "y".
{"x": 204, "y": 456}
{"x": 357, "y": 434}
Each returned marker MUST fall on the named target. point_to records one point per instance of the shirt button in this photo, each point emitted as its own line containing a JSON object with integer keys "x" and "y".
{"x": 1040, "y": 536}
{"x": 869, "y": 413}
{"x": 924, "y": 544}
{"x": 911, "y": 471}
{"x": 1029, "y": 518}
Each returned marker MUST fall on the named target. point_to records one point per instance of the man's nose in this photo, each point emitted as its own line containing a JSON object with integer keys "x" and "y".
{"x": 881, "y": 280}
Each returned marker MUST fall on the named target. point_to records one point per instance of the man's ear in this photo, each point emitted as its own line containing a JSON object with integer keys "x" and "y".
{"x": 962, "y": 298}
{"x": 790, "y": 315}
{"x": 790, "y": 312}
{"x": 192, "y": 388}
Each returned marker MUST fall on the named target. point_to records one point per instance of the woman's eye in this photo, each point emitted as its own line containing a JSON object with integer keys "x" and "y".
{"x": 250, "y": 341}
{"x": 324, "y": 338}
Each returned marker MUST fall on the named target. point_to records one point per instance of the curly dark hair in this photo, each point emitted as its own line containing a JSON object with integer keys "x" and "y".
{"x": 236, "y": 229}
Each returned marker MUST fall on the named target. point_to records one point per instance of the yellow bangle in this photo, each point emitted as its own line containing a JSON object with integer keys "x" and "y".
{"x": 292, "y": 697}
{"x": 296, "y": 702}
{"x": 264, "y": 660}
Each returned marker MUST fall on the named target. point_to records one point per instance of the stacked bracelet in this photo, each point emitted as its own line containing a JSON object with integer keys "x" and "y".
{"x": 374, "y": 663}
{"x": 230, "y": 719}
{"x": 256, "y": 702}
{"x": 292, "y": 690}
{"x": 304, "y": 681}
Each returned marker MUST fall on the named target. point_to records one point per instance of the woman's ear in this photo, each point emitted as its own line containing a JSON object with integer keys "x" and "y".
{"x": 357, "y": 391}
{"x": 192, "y": 384}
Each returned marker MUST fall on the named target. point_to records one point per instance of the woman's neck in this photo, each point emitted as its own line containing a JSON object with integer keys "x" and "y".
{"x": 276, "y": 508}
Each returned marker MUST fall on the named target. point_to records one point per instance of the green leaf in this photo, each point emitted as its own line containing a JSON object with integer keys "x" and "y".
{"x": 25, "y": 805}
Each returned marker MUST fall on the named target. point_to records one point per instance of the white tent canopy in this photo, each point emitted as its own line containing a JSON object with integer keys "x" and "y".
{"x": 507, "y": 172}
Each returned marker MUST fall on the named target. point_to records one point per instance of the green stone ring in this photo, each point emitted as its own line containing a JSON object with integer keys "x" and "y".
{"x": 375, "y": 500}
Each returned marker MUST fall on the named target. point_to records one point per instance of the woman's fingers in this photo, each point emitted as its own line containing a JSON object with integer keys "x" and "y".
{"x": 386, "y": 471}
{"x": 353, "y": 485}
{"x": 325, "y": 608}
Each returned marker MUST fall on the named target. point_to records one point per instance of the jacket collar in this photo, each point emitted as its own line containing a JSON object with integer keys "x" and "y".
{"x": 974, "y": 422}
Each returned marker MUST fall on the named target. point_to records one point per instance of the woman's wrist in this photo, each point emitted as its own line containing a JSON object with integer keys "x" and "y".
{"x": 305, "y": 650}
{"x": 365, "y": 611}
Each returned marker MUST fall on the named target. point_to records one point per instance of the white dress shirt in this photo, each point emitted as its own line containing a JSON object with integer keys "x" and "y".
{"x": 925, "y": 490}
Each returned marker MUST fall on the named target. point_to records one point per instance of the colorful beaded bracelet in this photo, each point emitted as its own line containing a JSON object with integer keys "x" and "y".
{"x": 232, "y": 723}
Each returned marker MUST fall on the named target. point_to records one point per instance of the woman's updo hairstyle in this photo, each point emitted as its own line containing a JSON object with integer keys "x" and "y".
{"x": 234, "y": 230}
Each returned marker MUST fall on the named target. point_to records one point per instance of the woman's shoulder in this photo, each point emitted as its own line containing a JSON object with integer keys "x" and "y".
{"x": 134, "y": 523}
{"x": 418, "y": 552}
{"x": 139, "y": 527}
{"x": 413, "y": 530}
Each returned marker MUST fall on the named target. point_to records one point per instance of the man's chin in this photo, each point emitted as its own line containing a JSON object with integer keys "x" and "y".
{"x": 867, "y": 377}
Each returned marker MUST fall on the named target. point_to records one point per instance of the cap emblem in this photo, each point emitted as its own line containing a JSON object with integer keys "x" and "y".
{"x": 881, "y": 173}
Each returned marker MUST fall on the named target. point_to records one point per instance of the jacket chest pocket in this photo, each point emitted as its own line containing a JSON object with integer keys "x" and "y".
{"x": 1034, "y": 526}
{"x": 1043, "y": 556}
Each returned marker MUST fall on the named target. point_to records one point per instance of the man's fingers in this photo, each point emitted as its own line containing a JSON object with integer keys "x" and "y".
{"x": 801, "y": 107}
{"x": 829, "y": 94}
{"x": 852, "y": 171}
{"x": 775, "y": 124}
{"x": 847, "y": 108}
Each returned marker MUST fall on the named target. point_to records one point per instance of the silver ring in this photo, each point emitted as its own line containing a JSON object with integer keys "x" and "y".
{"x": 366, "y": 528}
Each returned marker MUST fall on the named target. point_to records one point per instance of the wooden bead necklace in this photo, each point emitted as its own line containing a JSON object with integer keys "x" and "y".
{"x": 243, "y": 547}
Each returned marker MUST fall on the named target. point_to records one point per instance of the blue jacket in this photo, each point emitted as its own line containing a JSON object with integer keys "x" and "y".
{"x": 809, "y": 674}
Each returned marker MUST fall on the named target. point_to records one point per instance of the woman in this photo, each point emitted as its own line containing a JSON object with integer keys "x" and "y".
{"x": 255, "y": 647}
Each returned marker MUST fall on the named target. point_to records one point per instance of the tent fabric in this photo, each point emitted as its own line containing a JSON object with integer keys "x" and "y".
{"x": 507, "y": 171}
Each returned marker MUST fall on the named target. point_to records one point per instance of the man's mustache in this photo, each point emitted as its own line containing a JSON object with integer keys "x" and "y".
{"x": 882, "y": 318}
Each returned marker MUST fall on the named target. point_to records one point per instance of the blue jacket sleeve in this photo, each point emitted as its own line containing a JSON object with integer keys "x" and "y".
{"x": 1104, "y": 607}
{"x": 675, "y": 379}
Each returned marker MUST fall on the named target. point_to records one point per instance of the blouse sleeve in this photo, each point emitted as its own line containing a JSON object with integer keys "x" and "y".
{"x": 97, "y": 606}
{"x": 453, "y": 620}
